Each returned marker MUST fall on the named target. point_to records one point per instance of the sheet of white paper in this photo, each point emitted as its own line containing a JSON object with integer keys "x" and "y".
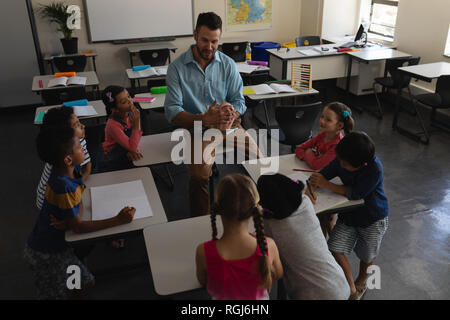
{"x": 77, "y": 80}
{"x": 108, "y": 200}
{"x": 308, "y": 52}
{"x": 161, "y": 70}
{"x": 84, "y": 111}
{"x": 147, "y": 72}
{"x": 326, "y": 199}
{"x": 60, "y": 81}
{"x": 282, "y": 88}
{"x": 245, "y": 68}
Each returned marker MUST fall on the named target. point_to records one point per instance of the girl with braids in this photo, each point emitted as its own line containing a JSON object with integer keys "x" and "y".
{"x": 319, "y": 150}
{"x": 310, "y": 271}
{"x": 239, "y": 265}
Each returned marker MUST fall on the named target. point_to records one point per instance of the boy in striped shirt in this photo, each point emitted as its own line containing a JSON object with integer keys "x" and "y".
{"x": 62, "y": 116}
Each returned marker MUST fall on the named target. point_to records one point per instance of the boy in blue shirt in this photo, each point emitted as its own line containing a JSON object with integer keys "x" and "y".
{"x": 47, "y": 252}
{"x": 362, "y": 229}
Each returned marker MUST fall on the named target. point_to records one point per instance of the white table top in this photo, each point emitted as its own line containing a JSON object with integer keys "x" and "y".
{"x": 293, "y": 53}
{"x": 284, "y": 165}
{"x": 133, "y": 75}
{"x": 428, "y": 70}
{"x": 157, "y": 148}
{"x": 102, "y": 179}
{"x": 280, "y": 95}
{"x": 372, "y": 39}
{"x": 87, "y": 53}
{"x": 158, "y": 103}
{"x": 98, "y": 105}
{"x": 374, "y": 55}
{"x": 171, "y": 252}
{"x": 257, "y": 69}
{"x": 92, "y": 80}
{"x": 152, "y": 46}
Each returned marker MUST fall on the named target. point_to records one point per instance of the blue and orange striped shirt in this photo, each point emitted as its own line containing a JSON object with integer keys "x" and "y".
{"x": 62, "y": 200}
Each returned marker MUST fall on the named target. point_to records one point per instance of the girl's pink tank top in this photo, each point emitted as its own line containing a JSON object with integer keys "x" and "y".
{"x": 233, "y": 279}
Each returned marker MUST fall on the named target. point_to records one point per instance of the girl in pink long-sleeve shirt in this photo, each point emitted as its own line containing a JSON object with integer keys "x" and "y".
{"x": 122, "y": 131}
{"x": 318, "y": 152}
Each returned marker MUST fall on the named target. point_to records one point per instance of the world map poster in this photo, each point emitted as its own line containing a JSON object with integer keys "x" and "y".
{"x": 244, "y": 15}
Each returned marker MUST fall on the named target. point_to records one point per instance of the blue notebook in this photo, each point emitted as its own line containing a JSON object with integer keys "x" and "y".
{"x": 40, "y": 117}
{"x": 82, "y": 102}
{"x": 139, "y": 68}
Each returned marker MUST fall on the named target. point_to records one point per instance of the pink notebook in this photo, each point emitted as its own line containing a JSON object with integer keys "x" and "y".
{"x": 144, "y": 99}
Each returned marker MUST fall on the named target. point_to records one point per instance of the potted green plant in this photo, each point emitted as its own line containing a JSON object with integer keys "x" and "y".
{"x": 57, "y": 12}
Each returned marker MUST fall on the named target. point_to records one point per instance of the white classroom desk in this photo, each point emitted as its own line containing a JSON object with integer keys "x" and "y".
{"x": 91, "y": 80}
{"x": 375, "y": 55}
{"x": 286, "y": 164}
{"x": 271, "y": 96}
{"x": 427, "y": 71}
{"x": 136, "y": 75}
{"x": 102, "y": 179}
{"x": 171, "y": 252}
{"x": 324, "y": 65}
{"x": 258, "y": 67}
{"x": 367, "y": 56}
{"x": 98, "y": 105}
{"x": 157, "y": 148}
{"x": 157, "y": 103}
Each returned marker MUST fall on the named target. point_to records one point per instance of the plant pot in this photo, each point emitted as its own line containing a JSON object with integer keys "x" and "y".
{"x": 70, "y": 46}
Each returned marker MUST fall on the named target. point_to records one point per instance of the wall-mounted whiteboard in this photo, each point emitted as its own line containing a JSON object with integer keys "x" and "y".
{"x": 133, "y": 19}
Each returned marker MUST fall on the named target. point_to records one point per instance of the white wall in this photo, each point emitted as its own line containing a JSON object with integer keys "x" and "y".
{"x": 18, "y": 62}
{"x": 112, "y": 60}
{"x": 421, "y": 30}
{"x": 340, "y": 18}
{"x": 311, "y": 18}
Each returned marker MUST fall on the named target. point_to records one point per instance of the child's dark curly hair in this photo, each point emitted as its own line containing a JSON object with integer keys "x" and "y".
{"x": 54, "y": 143}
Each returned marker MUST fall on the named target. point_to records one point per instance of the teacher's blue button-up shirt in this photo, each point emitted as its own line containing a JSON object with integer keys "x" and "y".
{"x": 193, "y": 90}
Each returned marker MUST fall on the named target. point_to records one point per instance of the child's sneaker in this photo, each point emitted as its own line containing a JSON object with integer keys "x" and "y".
{"x": 360, "y": 290}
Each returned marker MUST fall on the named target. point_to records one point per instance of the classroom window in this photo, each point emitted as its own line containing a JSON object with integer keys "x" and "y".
{"x": 383, "y": 17}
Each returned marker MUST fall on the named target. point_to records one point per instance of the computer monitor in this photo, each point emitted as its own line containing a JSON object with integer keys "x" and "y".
{"x": 359, "y": 33}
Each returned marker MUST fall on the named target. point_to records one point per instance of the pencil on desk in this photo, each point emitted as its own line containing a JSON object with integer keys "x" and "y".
{"x": 309, "y": 189}
{"x": 304, "y": 170}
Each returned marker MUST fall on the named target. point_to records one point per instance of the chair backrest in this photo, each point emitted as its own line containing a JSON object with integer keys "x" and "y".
{"x": 75, "y": 63}
{"x": 401, "y": 80}
{"x": 296, "y": 122}
{"x": 443, "y": 89}
{"x": 155, "y": 57}
{"x": 58, "y": 96}
{"x": 235, "y": 50}
{"x": 307, "y": 41}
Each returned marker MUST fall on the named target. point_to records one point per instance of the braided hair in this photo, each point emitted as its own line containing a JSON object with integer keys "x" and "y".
{"x": 344, "y": 115}
{"x": 237, "y": 199}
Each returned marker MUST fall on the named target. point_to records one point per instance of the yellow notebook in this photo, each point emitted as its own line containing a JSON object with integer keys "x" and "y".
{"x": 247, "y": 91}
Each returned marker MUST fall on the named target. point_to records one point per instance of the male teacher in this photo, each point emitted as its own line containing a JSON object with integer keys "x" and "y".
{"x": 203, "y": 84}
